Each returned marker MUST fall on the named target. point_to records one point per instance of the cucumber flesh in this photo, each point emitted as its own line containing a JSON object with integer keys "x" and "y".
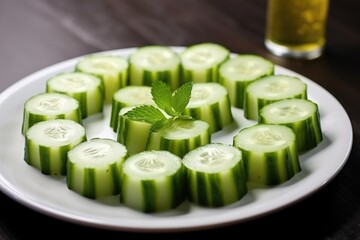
{"x": 152, "y": 181}
{"x": 277, "y": 87}
{"x": 111, "y": 69}
{"x": 246, "y": 67}
{"x": 86, "y": 88}
{"x": 94, "y": 167}
{"x": 126, "y": 97}
{"x": 153, "y": 62}
{"x": 48, "y": 142}
{"x": 180, "y": 137}
{"x": 270, "y": 153}
{"x": 210, "y": 102}
{"x": 200, "y": 62}
{"x": 270, "y": 89}
{"x": 203, "y": 55}
{"x": 133, "y": 134}
{"x": 301, "y": 115}
{"x": 134, "y": 95}
{"x": 215, "y": 175}
{"x": 47, "y": 106}
{"x": 237, "y": 72}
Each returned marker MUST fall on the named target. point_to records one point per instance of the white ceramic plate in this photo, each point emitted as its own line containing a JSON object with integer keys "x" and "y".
{"x": 50, "y": 196}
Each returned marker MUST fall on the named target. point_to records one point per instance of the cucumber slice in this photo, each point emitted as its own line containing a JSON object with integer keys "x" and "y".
{"x": 270, "y": 153}
{"x": 86, "y": 88}
{"x": 238, "y": 72}
{"x": 111, "y": 69}
{"x": 210, "y": 102}
{"x": 180, "y": 137}
{"x": 48, "y": 142}
{"x": 302, "y": 115}
{"x": 132, "y": 133}
{"x": 270, "y": 89}
{"x": 215, "y": 175}
{"x": 126, "y": 97}
{"x": 94, "y": 167}
{"x": 152, "y": 181}
{"x": 200, "y": 62}
{"x": 150, "y": 63}
{"x": 46, "y": 106}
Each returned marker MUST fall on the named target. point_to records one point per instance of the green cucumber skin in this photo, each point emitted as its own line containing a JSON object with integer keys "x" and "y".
{"x": 216, "y": 189}
{"x": 30, "y": 119}
{"x": 177, "y": 147}
{"x": 128, "y": 134}
{"x": 111, "y": 83}
{"x": 237, "y": 89}
{"x": 49, "y": 160}
{"x": 44, "y": 159}
{"x": 198, "y": 76}
{"x": 89, "y": 189}
{"x": 217, "y": 115}
{"x": 236, "y": 92}
{"x": 91, "y": 102}
{"x": 123, "y": 130}
{"x": 116, "y": 106}
{"x": 271, "y": 168}
{"x": 111, "y": 80}
{"x": 253, "y": 106}
{"x": 209, "y": 74}
{"x": 92, "y": 182}
{"x": 149, "y": 192}
{"x": 308, "y": 132}
{"x": 151, "y": 196}
{"x": 142, "y": 77}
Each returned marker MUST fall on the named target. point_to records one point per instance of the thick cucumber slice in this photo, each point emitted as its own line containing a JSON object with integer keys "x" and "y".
{"x": 210, "y": 102}
{"x": 200, "y": 62}
{"x": 151, "y": 63}
{"x": 94, "y": 167}
{"x": 152, "y": 181}
{"x": 132, "y": 133}
{"x": 46, "y": 106}
{"x": 270, "y": 153}
{"x": 238, "y": 72}
{"x": 180, "y": 137}
{"x": 111, "y": 69}
{"x": 86, "y": 88}
{"x": 126, "y": 97}
{"x": 215, "y": 175}
{"x": 48, "y": 142}
{"x": 270, "y": 89}
{"x": 301, "y": 115}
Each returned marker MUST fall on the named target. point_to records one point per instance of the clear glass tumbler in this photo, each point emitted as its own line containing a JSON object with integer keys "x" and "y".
{"x": 296, "y": 28}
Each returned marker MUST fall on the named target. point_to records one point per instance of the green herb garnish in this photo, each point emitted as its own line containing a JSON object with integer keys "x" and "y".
{"x": 172, "y": 103}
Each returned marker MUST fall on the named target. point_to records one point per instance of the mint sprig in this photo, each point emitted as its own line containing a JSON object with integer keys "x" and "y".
{"x": 172, "y": 103}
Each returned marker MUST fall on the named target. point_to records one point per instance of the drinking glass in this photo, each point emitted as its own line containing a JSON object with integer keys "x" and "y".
{"x": 296, "y": 28}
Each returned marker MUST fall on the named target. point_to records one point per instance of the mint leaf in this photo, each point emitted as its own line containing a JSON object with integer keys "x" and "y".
{"x": 160, "y": 124}
{"x": 161, "y": 94}
{"x": 181, "y": 98}
{"x": 146, "y": 113}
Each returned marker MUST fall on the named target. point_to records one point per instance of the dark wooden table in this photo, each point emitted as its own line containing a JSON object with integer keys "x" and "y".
{"x": 37, "y": 33}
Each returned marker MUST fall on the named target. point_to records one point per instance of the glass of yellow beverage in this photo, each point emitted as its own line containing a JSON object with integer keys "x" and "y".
{"x": 296, "y": 28}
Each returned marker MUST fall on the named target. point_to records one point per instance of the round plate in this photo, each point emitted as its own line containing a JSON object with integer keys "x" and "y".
{"x": 49, "y": 195}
